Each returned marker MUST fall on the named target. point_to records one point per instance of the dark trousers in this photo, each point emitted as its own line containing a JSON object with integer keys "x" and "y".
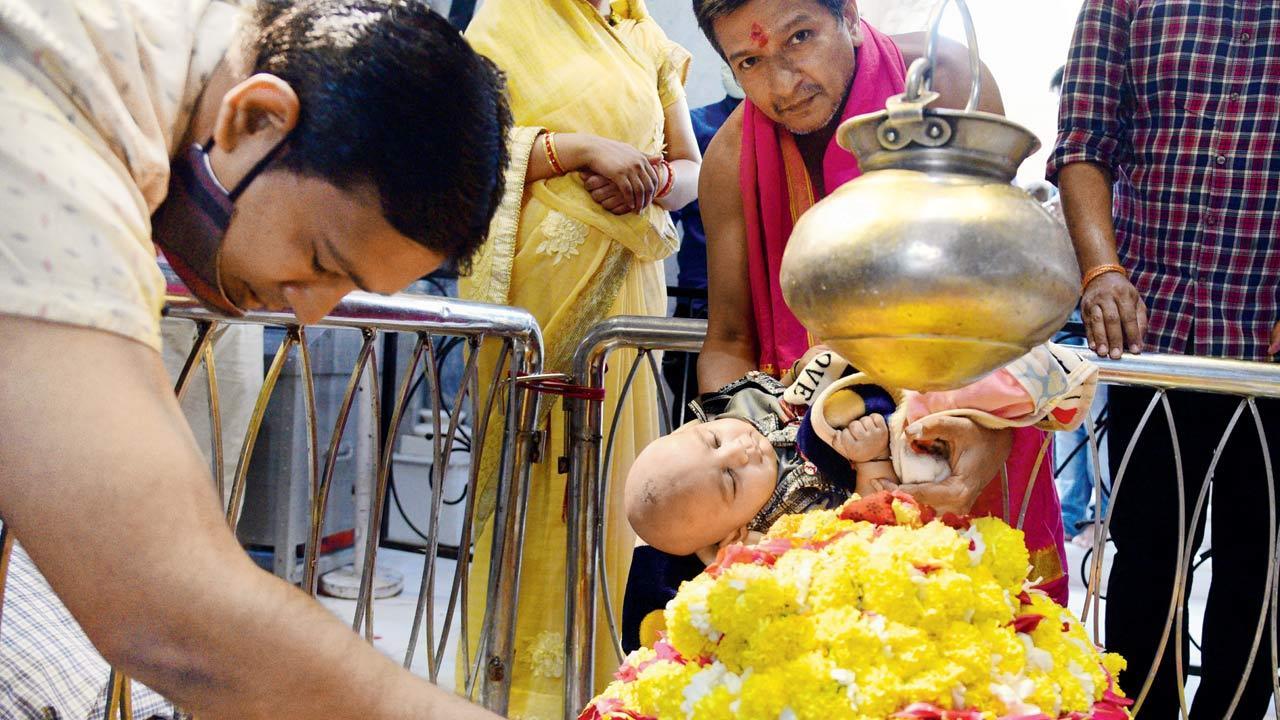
{"x": 1146, "y": 535}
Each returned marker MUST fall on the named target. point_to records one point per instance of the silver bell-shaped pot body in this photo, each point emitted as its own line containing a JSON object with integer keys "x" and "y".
{"x": 931, "y": 269}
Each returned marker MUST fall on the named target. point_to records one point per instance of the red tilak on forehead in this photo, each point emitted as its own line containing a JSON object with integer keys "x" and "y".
{"x": 758, "y": 36}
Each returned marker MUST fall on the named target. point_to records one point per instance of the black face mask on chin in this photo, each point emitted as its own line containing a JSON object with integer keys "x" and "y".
{"x": 189, "y": 226}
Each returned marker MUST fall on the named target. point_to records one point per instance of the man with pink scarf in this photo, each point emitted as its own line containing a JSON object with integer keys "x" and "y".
{"x": 806, "y": 66}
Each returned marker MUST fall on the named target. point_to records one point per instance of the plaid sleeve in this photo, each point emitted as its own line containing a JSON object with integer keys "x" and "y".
{"x": 1096, "y": 101}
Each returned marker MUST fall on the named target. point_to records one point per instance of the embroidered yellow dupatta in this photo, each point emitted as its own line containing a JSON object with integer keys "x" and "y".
{"x": 570, "y": 70}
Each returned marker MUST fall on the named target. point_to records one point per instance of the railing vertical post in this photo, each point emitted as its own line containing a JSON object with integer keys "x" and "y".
{"x": 585, "y": 425}
{"x": 585, "y": 430}
{"x": 518, "y": 457}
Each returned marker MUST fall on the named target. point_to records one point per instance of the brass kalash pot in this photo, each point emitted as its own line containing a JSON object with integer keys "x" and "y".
{"x": 931, "y": 269}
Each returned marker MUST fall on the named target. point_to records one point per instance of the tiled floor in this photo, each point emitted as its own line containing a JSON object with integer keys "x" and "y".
{"x": 393, "y": 617}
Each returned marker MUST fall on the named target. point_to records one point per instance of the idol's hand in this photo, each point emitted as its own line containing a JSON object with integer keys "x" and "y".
{"x": 1274, "y": 347}
{"x": 1115, "y": 317}
{"x": 627, "y": 168}
{"x": 866, "y": 439}
{"x": 975, "y": 454}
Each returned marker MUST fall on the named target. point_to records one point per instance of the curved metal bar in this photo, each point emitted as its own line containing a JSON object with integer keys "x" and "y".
{"x": 365, "y": 609}
{"x": 426, "y": 594}
{"x": 971, "y": 37}
{"x": 1094, "y": 592}
{"x": 1035, "y": 475}
{"x": 1267, "y": 597}
{"x": 364, "y": 601}
{"x": 483, "y": 418}
{"x": 468, "y": 387}
{"x": 1275, "y": 678}
{"x": 311, "y": 420}
{"x": 6, "y": 552}
{"x": 664, "y": 402}
{"x": 1179, "y": 579}
{"x": 215, "y": 423}
{"x": 119, "y": 700}
{"x": 204, "y": 337}
{"x": 1187, "y": 558}
{"x": 255, "y": 424}
{"x": 602, "y": 501}
{"x": 1006, "y": 507}
{"x": 1115, "y": 494}
{"x": 320, "y": 500}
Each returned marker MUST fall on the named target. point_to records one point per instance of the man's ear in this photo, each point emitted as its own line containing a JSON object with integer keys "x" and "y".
{"x": 853, "y": 20}
{"x": 254, "y": 116}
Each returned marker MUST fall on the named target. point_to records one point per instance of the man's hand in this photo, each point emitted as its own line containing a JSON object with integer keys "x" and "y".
{"x": 974, "y": 453}
{"x": 866, "y": 439}
{"x": 1274, "y": 347}
{"x": 1114, "y": 315}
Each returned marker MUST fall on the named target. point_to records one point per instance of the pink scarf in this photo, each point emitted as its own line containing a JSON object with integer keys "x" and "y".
{"x": 776, "y": 190}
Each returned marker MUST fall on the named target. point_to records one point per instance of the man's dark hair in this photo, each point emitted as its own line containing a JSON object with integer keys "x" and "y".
{"x": 1055, "y": 82}
{"x": 393, "y": 96}
{"x": 708, "y": 11}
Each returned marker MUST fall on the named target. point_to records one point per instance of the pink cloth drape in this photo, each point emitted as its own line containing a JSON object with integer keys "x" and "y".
{"x": 773, "y": 199}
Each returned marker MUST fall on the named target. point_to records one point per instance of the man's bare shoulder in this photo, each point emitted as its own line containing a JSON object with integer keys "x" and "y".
{"x": 951, "y": 78}
{"x": 725, "y": 150}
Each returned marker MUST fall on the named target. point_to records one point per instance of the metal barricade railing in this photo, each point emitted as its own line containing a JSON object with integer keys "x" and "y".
{"x": 590, "y": 450}
{"x": 423, "y": 317}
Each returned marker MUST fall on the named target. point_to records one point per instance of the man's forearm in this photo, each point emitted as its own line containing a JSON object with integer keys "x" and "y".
{"x": 104, "y": 485}
{"x": 1086, "y": 204}
{"x": 721, "y": 363}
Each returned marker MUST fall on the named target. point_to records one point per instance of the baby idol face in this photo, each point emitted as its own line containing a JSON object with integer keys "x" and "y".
{"x": 731, "y": 465}
{"x": 701, "y": 484}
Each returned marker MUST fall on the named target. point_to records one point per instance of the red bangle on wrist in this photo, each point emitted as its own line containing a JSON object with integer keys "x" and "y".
{"x": 671, "y": 180}
{"x": 548, "y": 144}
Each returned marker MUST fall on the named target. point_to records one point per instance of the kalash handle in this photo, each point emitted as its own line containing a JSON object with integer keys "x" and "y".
{"x": 907, "y": 121}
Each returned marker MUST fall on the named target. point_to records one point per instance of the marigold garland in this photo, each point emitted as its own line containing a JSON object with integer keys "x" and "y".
{"x": 878, "y": 610}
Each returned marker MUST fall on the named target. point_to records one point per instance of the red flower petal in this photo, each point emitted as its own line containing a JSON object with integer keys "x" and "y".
{"x": 736, "y": 553}
{"x": 1026, "y": 623}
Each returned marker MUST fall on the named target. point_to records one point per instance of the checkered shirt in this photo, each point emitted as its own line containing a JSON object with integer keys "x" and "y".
{"x": 1181, "y": 100}
{"x": 48, "y": 668}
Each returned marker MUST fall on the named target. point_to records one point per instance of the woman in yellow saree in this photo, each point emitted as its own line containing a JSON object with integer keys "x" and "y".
{"x": 603, "y": 148}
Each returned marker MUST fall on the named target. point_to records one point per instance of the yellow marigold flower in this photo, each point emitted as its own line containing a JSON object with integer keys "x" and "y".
{"x": 844, "y": 620}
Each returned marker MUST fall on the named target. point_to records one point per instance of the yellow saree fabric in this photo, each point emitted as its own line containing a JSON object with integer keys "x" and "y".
{"x": 554, "y": 251}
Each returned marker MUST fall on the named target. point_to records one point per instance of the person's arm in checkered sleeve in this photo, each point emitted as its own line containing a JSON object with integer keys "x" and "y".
{"x": 1092, "y": 141}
